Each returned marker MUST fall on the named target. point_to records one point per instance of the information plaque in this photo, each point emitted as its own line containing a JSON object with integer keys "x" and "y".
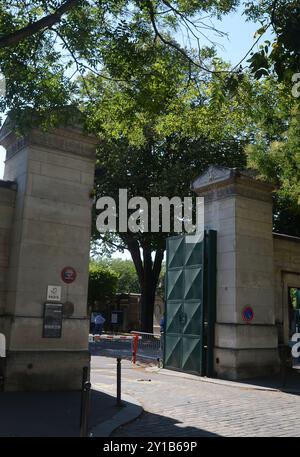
{"x": 52, "y": 320}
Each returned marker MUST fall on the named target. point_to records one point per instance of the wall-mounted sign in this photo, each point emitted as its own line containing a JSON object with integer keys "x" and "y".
{"x": 248, "y": 314}
{"x": 54, "y": 293}
{"x": 52, "y": 326}
{"x": 68, "y": 275}
{"x": 117, "y": 317}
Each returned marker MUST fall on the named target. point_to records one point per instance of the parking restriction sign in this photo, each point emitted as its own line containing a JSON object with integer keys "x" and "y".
{"x": 68, "y": 275}
{"x": 248, "y": 314}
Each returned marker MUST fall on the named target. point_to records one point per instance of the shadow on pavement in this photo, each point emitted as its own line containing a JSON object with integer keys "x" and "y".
{"x": 288, "y": 381}
{"x": 50, "y": 414}
{"x": 154, "y": 425}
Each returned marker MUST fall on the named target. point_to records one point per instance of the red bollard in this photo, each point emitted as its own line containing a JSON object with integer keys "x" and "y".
{"x": 135, "y": 347}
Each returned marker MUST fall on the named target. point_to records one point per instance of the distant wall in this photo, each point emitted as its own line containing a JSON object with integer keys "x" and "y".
{"x": 286, "y": 274}
{"x": 45, "y": 226}
{"x": 130, "y": 305}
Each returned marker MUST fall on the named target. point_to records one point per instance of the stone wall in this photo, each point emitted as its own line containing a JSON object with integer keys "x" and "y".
{"x": 239, "y": 208}
{"x": 54, "y": 174}
{"x": 286, "y": 274}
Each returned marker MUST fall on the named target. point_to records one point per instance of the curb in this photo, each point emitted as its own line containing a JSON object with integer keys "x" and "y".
{"x": 131, "y": 410}
{"x": 223, "y": 382}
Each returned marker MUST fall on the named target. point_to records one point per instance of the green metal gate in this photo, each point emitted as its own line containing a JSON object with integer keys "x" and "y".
{"x": 190, "y": 304}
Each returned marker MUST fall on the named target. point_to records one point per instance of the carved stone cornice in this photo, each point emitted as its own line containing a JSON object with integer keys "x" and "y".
{"x": 235, "y": 190}
{"x": 65, "y": 139}
{"x": 221, "y": 182}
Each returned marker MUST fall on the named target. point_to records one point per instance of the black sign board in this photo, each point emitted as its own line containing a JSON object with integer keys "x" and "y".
{"x": 52, "y": 320}
{"x": 117, "y": 317}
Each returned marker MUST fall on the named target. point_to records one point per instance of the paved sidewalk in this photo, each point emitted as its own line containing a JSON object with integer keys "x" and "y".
{"x": 175, "y": 405}
{"x": 178, "y": 406}
{"x": 57, "y": 414}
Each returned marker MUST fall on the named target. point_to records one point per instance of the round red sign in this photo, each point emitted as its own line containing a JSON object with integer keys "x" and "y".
{"x": 68, "y": 275}
{"x": 248, "y": 314}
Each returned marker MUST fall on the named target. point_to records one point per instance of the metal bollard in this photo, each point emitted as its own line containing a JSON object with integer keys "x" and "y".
{"x": 85, "y": 403}
{"x": 85, "y": 374}
{"x": 135, "y": 347}
{"x": 119, "y": 401}
{"x": 85, "y": 409}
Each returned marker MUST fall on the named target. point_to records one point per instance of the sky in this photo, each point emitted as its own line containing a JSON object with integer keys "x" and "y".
{"x": 232, "y": 48}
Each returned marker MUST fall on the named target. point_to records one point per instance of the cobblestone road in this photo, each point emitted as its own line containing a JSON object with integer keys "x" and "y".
{"x": 180, "y": 407}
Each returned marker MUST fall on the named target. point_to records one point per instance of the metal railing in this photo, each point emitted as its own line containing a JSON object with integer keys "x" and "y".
{"x": 147, "y": 346}
{"x": 136, "y": 346}
{"x": 117, "y": 346}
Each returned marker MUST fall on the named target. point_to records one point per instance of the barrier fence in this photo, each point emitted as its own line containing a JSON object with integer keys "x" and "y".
{"x": 119, "y": 346}
{"x": 137, "y": 346}
{"x": 149, "y": 346}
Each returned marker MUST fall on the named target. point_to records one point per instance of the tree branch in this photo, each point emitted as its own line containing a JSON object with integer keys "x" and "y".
{"x": 46, "y": 22}
{"x": 168, "y": 42}
{"x": 120, "y": 247}
{"x": 174, "y": 45}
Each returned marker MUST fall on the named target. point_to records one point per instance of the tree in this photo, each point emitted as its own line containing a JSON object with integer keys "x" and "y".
{"x": 45, "y": 45}
{"x": 275, "y": 148}
{"x": 47, "y": 48}
{"x": 167, "y": 120}
{"x": 145, "y": 171}
{"x": 128, "y": 280}
{"x": 279, "y": 162}
{"x": 273, "y": 130}
{"x": 283, "y": 54}
{"x": 103, "y": 283}
{"x": 127, "y": 277}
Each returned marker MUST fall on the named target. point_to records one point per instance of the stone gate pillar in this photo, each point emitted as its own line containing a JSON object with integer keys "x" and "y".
{"x": 54, "y": 173}
{"x": 239, "y": 207}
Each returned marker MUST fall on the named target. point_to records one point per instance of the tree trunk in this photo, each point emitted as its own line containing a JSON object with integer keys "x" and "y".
{"x": 147, "y": 307}
{"x": 148, "y": 272}
{"x": 148, "y": 287}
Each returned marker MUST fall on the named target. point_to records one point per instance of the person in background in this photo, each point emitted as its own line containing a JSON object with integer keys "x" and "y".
{"x": 162, "y": 324}
{"x": 162, "y": 334}
{"x": 99, "y": 321}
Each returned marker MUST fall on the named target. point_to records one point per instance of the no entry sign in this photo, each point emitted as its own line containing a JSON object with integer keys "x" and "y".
{"x": 68, "y": 275}
{"x": 248, "y": 314}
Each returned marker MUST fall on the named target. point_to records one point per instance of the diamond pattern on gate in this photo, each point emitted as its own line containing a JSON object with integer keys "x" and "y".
{"x": 175, "y": 285}
{"x": 193, "y": 283}
{"x": 176, "y": 252}
{"x": 193, "y": 254}
{"x": 173, "y": 319}
{"x": 173, "y": 350}
{"x": 193, "y": 311}
{"x": 191, "y": 351}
